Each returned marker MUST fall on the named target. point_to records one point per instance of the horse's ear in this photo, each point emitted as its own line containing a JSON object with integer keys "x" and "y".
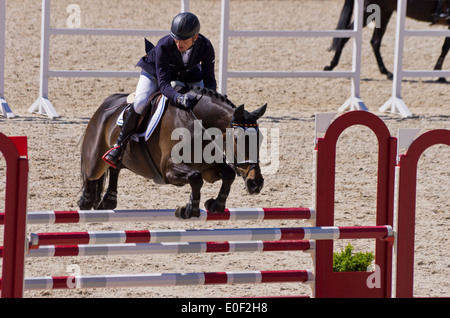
{"x": 256, "y": 114}
{"x": 238, "y": 113}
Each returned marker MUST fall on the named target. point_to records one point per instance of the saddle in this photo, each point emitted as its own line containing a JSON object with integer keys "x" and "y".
{"x": 154, "y": 111}
{"x": 148, "y": 122}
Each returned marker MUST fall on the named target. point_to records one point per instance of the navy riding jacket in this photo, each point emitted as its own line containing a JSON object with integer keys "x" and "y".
{"x": 164, "y": 61}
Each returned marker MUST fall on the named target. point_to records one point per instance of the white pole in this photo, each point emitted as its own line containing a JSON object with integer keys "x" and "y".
{"x": 395, "y": 104}
{"x": 184, "y": 5}
{"x": 42, "y": 105}
{"x": 5, "y": 110}
{"x": 224, "y": 30}
{"x": 355, "y": 102}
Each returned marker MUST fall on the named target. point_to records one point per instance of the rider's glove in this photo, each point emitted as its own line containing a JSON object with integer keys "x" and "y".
{"x": 187, "y": 101}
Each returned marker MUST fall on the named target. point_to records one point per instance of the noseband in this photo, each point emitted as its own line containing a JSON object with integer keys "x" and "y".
{"x": 235, "y": 165}
{"x": 238, "y": 172}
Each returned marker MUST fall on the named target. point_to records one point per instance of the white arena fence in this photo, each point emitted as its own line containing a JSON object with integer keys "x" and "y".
{"x": 353, "y": 103}
{"x": 4, "y": 108}
{"x": 42, "y": 105}
{"x": 396, "y": 104}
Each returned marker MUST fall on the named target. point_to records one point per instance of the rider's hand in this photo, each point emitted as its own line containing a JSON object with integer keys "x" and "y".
{"x": 187, "y": 101}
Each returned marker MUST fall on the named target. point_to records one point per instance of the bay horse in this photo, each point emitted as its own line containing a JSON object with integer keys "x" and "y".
{"x": 420, "y": 10}
{"x": 153, "y": 158}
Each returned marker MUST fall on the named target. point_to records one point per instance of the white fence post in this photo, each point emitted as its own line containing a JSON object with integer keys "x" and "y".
{"x": 5, "y": 110}
{"x": 395, "y": 104}
{"x": 354, "y": 102}
{"x": 184, "y": 5}
{"x": 224, "y": 34}
{"x": 43, "y": 105}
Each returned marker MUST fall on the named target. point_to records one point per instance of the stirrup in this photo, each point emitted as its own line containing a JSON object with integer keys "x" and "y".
{"x": 112, "y": 164}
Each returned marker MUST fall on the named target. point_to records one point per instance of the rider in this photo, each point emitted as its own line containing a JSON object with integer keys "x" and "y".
{"x": 186, "y": 56}
{"x": 439, "y": 12}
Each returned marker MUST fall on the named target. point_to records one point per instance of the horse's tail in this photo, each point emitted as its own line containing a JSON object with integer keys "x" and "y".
{"x": 344, "y": 21}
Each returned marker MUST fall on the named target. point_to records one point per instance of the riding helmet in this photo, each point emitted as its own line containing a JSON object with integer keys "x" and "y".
{"x": 185, "y": 25}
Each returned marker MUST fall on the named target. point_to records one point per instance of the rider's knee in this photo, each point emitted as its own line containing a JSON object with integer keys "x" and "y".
{"x": 140, "y": 101}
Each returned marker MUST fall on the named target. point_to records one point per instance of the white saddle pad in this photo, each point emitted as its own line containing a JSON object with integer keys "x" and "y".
{"x": 154, "y": 121}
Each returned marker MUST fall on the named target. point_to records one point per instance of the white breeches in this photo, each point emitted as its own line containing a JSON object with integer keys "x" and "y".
{"x": 146, "y": 86}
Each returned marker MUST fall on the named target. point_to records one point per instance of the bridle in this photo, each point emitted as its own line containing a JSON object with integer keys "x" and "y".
{"x": 234, "y": 165}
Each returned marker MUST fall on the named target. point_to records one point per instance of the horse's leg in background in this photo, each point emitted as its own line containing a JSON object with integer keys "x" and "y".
{"x": 218, "y": 205}
{"x": 344, "y": 23}
{"x": 92, "y": 191}
{"x": 109, "y": 201}
{"x": 441, "y": 58}
{"x": 377, "y": 37}
{"x": 181, "y": 174}
{"x": 340, "y": 43}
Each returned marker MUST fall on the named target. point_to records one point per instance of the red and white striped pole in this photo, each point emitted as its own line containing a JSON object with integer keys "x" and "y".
{"x": 153, "y": 215}
{"x": 204, "y": 235}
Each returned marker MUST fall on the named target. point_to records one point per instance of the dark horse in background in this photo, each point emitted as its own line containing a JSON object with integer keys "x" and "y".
{"x": 420, "y": 10}
{"x": 213, "y": 109}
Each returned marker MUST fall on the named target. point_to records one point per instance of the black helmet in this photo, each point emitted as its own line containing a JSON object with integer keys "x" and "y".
{"x": 185, "y": 25}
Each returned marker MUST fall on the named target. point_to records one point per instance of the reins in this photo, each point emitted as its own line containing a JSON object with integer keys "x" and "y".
{"x": 233, "y": 165}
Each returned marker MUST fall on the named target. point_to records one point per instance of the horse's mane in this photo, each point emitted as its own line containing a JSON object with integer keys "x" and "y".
{"x": 213, "y": 94}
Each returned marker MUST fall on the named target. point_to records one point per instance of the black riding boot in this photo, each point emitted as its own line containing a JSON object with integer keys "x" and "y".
{"x": 113, "y": 156}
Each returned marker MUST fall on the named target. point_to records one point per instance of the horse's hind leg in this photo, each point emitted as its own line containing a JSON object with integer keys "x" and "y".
{"x": 92, "y": 190}
{"x": 109, "y": 201}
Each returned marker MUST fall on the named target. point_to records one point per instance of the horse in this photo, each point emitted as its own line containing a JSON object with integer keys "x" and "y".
{"x": 420, "y": 10}
{"x": 156, "y": 159}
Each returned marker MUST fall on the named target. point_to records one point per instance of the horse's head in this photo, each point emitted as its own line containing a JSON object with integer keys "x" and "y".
{"x": 247, "y": 140}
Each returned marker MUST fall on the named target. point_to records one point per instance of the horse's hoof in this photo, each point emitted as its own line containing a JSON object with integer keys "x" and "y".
{"x": 187, "y": 212}
{"x": 180, "y": 213}
{"x": 109, "y": 201}
{"x": 441, "y": 80}
{"x": 192, "y": 212}
{"x": 327, "y": 68}
{"x": 214, "y": 206}
{"x": 107, "y": 205}
{"x": 84, "y": 204}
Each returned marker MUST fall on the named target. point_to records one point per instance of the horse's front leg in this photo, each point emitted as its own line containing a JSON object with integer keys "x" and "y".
{"x": 218, "y": 205}
{"x": 180, "y": 174}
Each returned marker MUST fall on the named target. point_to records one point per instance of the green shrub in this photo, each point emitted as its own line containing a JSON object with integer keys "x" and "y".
{"x": 347, "y": 261}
